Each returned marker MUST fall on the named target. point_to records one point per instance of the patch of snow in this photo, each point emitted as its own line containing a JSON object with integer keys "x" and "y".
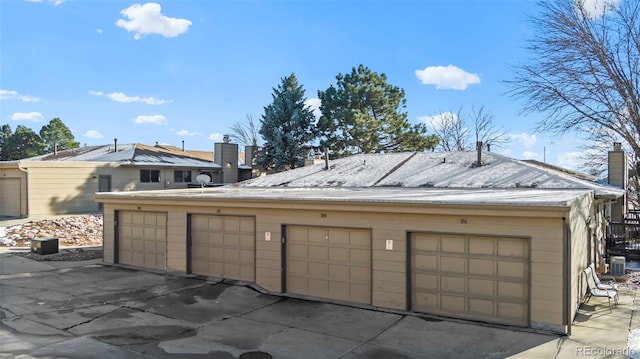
{"x": 4, "y": 240}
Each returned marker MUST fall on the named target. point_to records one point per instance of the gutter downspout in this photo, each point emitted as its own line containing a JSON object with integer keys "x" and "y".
{"x": 566, "y": 272}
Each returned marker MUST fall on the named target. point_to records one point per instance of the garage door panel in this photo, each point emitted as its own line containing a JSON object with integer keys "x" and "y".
{"x": 338, "y": 255}
{"x": 453, "y": 284}
{"x": 339, "y": 272}
{"x": 339, "y": 237}
{"x": 337, "y": 263}
{"x": 227, "y": 243}
{"x": 424, "y": 261}
{"x": 453, "y": 245}
{"x": 482, "y": 307}
{"x": 512, "y": 269}
{"x": 362, "y": 256}
{"x": 481, "y": 287}
{"x": 471, "y": 277}
{"x": 318, "y": 270}
{"x": 360, "y": 238}
{"x": 142, "y": 239}
{"x": 512, "y": 310}
{"x": 453, "y": 264}
{"x": 453, "y": 303}
{"x": 512, "y": 248}
{"x": 480, "y": 246}
{"x": 318, "y": 235}
{"x": 317, "y": 252}
{"x": 482, "y": 266}
{"x": 512, "y": 290}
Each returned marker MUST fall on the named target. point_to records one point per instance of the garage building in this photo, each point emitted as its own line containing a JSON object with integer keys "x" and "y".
{"x": 384, "y": 231}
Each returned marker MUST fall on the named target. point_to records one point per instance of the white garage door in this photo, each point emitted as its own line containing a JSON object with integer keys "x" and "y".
{"x": 142, "y": 239}
{"x": 223, "y": 246}
{"x": 471, "y": 277}
{"x": 333, "y": 263}
{"x": 10, "y": 197}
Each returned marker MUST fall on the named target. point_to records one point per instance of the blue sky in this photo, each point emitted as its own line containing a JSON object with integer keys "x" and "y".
{"x": 173, "y": 71}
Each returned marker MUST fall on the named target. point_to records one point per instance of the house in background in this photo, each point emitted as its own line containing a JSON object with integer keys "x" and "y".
{"x": 470, "y": 235}
{"x": 65, "y": 181}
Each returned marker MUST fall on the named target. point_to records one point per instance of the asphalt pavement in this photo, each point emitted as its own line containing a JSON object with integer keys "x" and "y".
{"x": 92, "y": 310}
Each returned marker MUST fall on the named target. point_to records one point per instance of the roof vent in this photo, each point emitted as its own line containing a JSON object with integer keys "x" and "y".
{"x": 115, "y": 145}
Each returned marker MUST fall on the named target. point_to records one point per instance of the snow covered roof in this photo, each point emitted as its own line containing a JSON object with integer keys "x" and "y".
{"x": 433, "y": 170}
{"x": 135, "y": 155}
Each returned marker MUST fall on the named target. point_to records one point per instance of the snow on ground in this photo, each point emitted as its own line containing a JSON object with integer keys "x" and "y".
{"x": 4, "y": 241}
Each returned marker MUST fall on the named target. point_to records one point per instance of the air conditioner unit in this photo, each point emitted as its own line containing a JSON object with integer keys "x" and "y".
{"x": 617, "y": 266}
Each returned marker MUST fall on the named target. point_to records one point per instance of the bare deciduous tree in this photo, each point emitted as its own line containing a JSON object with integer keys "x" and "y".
{"x": 585, "y": 71}
{"x": 452, "y": 130}
{"x": 245, "y": 133}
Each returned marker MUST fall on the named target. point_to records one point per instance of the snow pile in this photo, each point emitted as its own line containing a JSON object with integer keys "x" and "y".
{"x": 4, "y": 241}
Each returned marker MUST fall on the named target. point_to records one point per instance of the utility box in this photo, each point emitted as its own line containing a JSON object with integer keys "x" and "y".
{"x": 617, "y": 265}
{"x": 44, "y": 246}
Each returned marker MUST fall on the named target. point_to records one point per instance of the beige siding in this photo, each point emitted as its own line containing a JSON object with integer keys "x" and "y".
{"x": 579, "y": 220}
{"x": 388, "y": 267}
{"x": 62, "y": 188}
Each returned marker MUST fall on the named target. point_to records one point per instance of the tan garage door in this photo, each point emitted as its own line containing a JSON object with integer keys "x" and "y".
{"x": 332, "y": 263}
{"x": 223, "y": 246}
{"x": 10, "y": 197}
{"x": 471, "y": 277}
{"x": 142, "y": 239}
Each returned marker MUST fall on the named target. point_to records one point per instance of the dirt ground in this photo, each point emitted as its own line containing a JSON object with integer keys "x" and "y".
{"x": 72, "y": 231}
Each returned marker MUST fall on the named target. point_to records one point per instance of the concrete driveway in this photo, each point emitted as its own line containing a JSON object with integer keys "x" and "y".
{"x": 99, "y": 311}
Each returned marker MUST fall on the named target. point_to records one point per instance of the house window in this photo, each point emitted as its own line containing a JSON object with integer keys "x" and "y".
{"x": 181, "y": 176}
{"x": 147, "y": 176}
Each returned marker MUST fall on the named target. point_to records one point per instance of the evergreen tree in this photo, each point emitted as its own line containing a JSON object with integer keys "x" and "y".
{"x": 287, "y": 127}
{"x": 56, "y": 132}
{"x": 21, "y": 144}
{"x": 363, "y": 114}
{"x": 5, "y": 133}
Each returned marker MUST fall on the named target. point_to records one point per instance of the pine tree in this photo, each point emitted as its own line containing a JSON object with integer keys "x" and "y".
{"x": 363, "y": 114}
{"x": 21, "y": 144}
{"x": 57, "y": 133}
{"x": 287, "y": 127}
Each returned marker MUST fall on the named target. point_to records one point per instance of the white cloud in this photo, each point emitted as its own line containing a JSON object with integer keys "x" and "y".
{"x": 121, "y": 97}
{"x": 13, "y": 95}
{"x": 597, "y": 8}
{"x": 54, "y": 2}
{"x": 526, "y": 139}
{"x": 152, "y": 119}
{"x": 99, "y": 31}
{"x": 96, "y": 93}
{"x": 93, "y": 134}
{"x": 187, "y": 133}
{"x": 216, "y": 137}
{"x": 314, "y": 105}
{"x": 436, "y": 121}
{"x": 27, "y": 116}
{"x": 529, "y": 155}
{"x": 447, "y": 78}
{"x": 147, "y": 19}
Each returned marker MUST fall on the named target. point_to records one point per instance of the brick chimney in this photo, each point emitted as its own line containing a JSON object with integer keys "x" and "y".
{"x": 618, "y": 175}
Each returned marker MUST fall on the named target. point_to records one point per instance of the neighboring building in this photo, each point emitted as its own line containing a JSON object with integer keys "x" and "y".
{"x": 65, "y": 181}
{"x": 469, "y": 235}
